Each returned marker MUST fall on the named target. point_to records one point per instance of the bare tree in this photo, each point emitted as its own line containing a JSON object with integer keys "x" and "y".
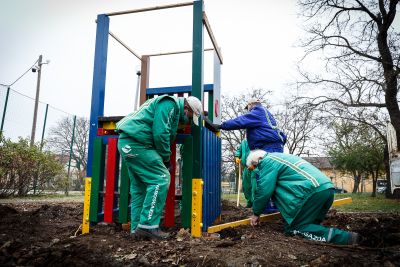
{"x": 60, "y": 142}
{"x": 362, "y": 52}
{"x": 232, "y": 107}
{"x": 300, "y": 125}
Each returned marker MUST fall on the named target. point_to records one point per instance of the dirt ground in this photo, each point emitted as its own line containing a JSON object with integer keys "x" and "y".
{"x": 46, "y": 234}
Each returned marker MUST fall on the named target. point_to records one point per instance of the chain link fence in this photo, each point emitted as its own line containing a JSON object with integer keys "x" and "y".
{"x": 17, "y": 111}
{"x": 16, "y": 115}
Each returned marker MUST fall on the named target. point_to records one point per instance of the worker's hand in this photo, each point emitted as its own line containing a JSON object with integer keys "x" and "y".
{"x": 254, "y": 220}
{"x": 210, "y": 124}
{"x": 216, "y": 126}
{"x": 237, "y": 160}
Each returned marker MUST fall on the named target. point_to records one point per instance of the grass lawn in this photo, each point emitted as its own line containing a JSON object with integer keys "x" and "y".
{"x": 362, "y": 202}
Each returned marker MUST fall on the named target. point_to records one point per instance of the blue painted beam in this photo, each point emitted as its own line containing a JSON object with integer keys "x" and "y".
{"x": 176, "y": 89}
{"x": 99, "y": 83}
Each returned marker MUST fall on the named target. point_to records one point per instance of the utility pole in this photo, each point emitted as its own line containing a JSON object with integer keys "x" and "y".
{"x": 36, "y": 101}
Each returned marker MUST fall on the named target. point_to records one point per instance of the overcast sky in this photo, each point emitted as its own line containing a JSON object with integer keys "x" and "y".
{"x": 257, "y": 38}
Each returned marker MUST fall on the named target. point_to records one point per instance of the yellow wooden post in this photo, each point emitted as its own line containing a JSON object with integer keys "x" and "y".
{"x": 197, "y": 205}
{"x": 86, "y": 206}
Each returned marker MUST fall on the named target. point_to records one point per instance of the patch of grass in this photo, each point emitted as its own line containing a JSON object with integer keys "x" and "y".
{"x": 363, "y": 202}
{"x": 47, "y": 196}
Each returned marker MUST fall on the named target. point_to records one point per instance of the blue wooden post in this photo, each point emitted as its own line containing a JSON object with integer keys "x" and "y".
{"x": 99, "y": 83}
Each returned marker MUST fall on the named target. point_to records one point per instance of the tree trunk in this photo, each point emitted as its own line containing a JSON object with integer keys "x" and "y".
{"x": 356, "y": 182}
{"x": 374, "y": 179}
{"x": 389, "y": 71}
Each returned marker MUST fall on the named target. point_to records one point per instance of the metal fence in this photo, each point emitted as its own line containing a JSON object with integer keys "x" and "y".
{"x": 16, "y": 114}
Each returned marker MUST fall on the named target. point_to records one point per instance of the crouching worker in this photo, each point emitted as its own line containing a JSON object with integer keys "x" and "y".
{"x": 144, "y": 144}
{"x": 302, "y": 193}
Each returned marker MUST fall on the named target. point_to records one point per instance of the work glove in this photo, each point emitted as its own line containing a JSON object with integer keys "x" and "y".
{"x": 237, "y": 160}
{"x": 254, "y": 220}
{"x": 167, "y": 165}
{"x": 212, "y": 125}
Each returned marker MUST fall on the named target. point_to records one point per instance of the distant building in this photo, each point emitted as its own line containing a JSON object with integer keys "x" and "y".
{"x": 340, "y": 180}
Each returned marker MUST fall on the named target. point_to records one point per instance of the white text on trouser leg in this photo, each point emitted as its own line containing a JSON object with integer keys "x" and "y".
{"x": 153, "y": 202}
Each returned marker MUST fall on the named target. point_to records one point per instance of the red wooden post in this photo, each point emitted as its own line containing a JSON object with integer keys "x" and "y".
{"x": 169, "y": 216}
{"x": 110, "y": 179}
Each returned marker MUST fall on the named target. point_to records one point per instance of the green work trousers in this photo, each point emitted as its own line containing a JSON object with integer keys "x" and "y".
{"x": 307, "y": 221}
{"x": 149, "y": 182}
{"x": 249, "y": 184}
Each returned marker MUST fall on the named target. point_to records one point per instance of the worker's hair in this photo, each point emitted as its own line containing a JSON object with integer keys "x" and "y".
{"x": 254, "y": 157}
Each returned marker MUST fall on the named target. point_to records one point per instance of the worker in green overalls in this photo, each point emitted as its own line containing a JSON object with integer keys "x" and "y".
{"x": 144, "y": 144}
{"x": 302, "y": 193}
{"x": 249, "y": 182}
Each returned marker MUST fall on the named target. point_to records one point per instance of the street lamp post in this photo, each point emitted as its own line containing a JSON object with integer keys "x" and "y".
{"x": 39, "y": 70}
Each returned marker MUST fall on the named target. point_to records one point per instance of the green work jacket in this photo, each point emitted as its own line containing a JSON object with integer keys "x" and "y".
{"x": 242, "y": 152}
{"x": 290, "y": 181}
{"x": 154, "y": 124}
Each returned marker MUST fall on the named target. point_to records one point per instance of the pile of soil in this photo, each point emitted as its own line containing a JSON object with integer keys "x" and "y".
{"x": 43, "y": 234}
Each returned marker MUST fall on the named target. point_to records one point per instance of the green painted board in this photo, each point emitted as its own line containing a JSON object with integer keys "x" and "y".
{"x": 197, "y": 81}
{"x": 123, "y": 194}
{"x": 187, "y": 176}
{"x": 97, "y": 178}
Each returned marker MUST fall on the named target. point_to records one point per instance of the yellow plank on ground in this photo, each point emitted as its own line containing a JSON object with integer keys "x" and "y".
{"x": 264, "y": 218}
{"x": 342, "y": 201}
{"x": 86, "y": 206}
{"x": 197, "y": 205}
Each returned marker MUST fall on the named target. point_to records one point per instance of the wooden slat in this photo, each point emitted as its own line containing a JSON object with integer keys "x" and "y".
{"x": 342, "y": 201}
{"x": 197, "y": 207}
{"x": 97, "y": 178}
{"x": 112, "y": 159}
{"x": 169, "y": 217}
{"x": 267, "y": 217}
{"x": 187, "y": 175}
{"x": 124, "y": 195}
{"x": 86, "y": 206}
{"x": 124, "y": 45}
{"x": 177, "y": 52}
{"x": 148, "y": 9}
{"x": 213, "y": 40}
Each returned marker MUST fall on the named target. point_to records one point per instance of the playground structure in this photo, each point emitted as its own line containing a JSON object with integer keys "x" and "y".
{"x": 107, "y": 186}
{"x": 201, "y": 154}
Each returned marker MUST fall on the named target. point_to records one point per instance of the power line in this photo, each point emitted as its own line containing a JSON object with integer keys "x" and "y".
{"x": 53, "y": 107}
{"x": 21, "y": 75}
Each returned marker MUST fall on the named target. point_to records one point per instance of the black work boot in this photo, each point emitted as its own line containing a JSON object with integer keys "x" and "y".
{"x": 142, "y": 233}
{"x": 354, "y": 238}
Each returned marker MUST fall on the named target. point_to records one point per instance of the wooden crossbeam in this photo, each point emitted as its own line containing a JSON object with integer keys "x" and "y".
{"x": 267, "y": 217}
{"x": 148, "y": 9}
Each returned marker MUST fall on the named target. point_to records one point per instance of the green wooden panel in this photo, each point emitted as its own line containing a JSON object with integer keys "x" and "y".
{"x": 123, "y": 194}
{"x": 97, "y": 178}
{"x": 187, "y": 175}
{"x": 211, "y": 106}
{"x": 197, "y": 81}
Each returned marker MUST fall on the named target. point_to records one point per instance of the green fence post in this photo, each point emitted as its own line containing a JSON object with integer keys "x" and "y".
{"x": 5, "y": 109}
{"x": 44, "y": 126}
